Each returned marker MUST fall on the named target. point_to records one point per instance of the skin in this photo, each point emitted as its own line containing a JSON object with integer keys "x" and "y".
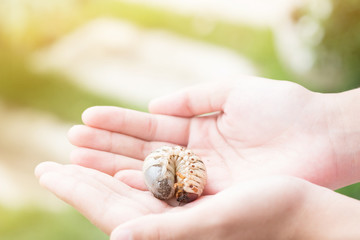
{"x": 264, "y": 127}
{"x": 261, "y": 128}
{"x": 267, "y": 208}
{"x": 276, "y": 207}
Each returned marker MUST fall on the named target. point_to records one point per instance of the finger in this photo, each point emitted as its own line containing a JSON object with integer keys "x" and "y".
{"x": 95, "y": 201}
{"x": 193, "y": 101}
{"x": 133, "y": 178}
{"x": 105, "y": 201}
{"x": 43, "y": 167}
{"x": 105, "y": 162}
{"x": 91, "y": 176}
{"x": 97, "y": 178}
{"x": 149, "y": 127}
{"x": 101, "y": 180}
{"x": 172, "y": 225}
{"x": 98, "y": 139}
{"x": 149, "y": 227}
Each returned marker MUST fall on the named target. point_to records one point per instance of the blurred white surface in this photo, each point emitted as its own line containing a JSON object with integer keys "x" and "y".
{"x": 118, "y": 59}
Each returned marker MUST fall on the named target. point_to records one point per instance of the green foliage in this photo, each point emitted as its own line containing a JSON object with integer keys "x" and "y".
{"x": 35, "y": 223}
{"x": 340, "y": 46}
{"x": 351, "y": 191}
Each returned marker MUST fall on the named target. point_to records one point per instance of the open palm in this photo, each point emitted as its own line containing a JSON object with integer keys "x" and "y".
{"x": 102, "y": 199}
{"x": 258, "y": 127}
{"x": 110, "y": 204}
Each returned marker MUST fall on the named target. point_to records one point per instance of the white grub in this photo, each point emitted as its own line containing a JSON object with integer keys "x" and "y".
{"x": 170, "y": 171}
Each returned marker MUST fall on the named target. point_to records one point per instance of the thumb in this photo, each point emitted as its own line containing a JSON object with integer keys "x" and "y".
{"x": 197, "y": 100}
{"x": 157, "y": 226}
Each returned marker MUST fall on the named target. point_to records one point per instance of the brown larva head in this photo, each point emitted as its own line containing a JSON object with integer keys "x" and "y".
{"x": 186, "y": 197}
{"x": 161, "y": 186}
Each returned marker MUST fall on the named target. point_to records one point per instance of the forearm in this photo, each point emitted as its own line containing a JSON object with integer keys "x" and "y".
{"x": 343, "y": 118}
{"x": 327, "y": 215}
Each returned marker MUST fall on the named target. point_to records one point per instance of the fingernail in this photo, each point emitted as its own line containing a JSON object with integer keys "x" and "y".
{"x": 123, "y": 234}
{"x": 43, "y": 167}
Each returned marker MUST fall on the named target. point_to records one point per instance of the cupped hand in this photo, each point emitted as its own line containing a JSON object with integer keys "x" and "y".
{"x": 108, "y": 203}
{"x": 276, "y": 207}
{"x": 257, "y": 127}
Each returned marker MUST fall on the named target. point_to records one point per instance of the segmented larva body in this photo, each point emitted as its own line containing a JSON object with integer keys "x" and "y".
{"x": 174, "y": 170}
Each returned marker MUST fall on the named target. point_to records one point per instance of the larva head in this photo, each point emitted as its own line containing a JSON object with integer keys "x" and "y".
{"x": 161, "y": 186}
{"x": 186, "y": 197}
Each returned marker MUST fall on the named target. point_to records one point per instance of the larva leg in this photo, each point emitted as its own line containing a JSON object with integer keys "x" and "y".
{"x": 178, "y": 185}
{"x": 180, "y": 175}
{"x": 179, "y": 193}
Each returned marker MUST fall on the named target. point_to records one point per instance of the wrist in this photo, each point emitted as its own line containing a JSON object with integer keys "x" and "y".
{"x": 343, "y": 116}
{"x": 326, "y": 215}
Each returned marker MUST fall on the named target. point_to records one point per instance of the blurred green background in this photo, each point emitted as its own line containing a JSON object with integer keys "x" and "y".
{"x": 57, "y": 56}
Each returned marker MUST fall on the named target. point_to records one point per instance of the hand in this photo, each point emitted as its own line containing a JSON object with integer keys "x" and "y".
{"x": 266, "y": 208}
{"x": 263, "y": 127}
{"x": 104, "y": 200}
{"x": 108, "y": 203}
{"x": 278, "y": 208}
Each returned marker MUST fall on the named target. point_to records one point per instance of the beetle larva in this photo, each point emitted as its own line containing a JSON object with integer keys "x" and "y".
{"x": 174, "y": 170}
